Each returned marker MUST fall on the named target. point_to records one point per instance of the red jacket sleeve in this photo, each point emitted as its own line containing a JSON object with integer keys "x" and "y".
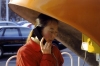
{"x": 47, "y": 60}
{"x": 24, "y": 59}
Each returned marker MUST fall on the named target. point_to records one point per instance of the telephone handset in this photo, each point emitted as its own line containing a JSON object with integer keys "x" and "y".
{"x": 38, "y": 32}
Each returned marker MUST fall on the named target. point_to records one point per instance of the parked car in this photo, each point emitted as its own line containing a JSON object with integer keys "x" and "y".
{"x": 30, "y": 25}
{"x": 7, "y": 23}
{"x": 12, "y": 38}
{"x": 59, "y": 45}
{"x": 22, "y": 22}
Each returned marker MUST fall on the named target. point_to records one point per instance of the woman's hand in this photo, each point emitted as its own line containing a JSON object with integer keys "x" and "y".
{"x": 45, "y": 48}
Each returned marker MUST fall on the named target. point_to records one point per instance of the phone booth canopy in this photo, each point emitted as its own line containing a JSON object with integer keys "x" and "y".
{"x": 83, "y": 15}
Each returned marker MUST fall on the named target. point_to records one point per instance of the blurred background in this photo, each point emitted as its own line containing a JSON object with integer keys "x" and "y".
{"x": 6, "y": 14}
{"x": 13, "y": 34}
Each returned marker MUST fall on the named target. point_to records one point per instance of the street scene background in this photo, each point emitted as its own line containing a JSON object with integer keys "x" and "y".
{"x": 7, "y": 15}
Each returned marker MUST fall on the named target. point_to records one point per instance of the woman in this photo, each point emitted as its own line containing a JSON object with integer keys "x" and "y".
{"x": 34, "y": 52}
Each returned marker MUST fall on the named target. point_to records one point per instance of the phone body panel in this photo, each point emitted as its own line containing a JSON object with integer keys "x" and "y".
{"x": 38, "y": 32}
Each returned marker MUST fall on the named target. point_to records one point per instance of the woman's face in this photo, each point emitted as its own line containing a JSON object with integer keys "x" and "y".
{"x": 50, "y": 31}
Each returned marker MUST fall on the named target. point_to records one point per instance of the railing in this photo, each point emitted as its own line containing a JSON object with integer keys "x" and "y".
{"x": 69, "y": 56}
{"x": 61, "y": 53}
{"x": 10, "y": 59}
{"x": 78, "y": 61}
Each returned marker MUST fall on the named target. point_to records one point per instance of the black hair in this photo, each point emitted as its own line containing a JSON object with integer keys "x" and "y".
{"x": 43, "y": 19}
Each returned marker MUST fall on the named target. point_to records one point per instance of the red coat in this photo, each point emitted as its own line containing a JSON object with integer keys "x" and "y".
{"x": 30, "y": 55}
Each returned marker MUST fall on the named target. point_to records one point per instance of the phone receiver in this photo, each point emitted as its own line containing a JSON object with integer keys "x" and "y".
{"x": 38, "y": 33}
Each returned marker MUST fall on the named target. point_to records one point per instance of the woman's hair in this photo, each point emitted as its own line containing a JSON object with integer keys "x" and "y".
{"x": 41, "y": 21}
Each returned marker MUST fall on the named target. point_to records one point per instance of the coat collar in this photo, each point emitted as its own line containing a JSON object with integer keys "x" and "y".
{"x": 34, "y": 45}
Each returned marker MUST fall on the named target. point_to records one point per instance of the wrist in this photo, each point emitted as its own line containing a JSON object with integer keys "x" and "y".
{"x": 46, "y": 52}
